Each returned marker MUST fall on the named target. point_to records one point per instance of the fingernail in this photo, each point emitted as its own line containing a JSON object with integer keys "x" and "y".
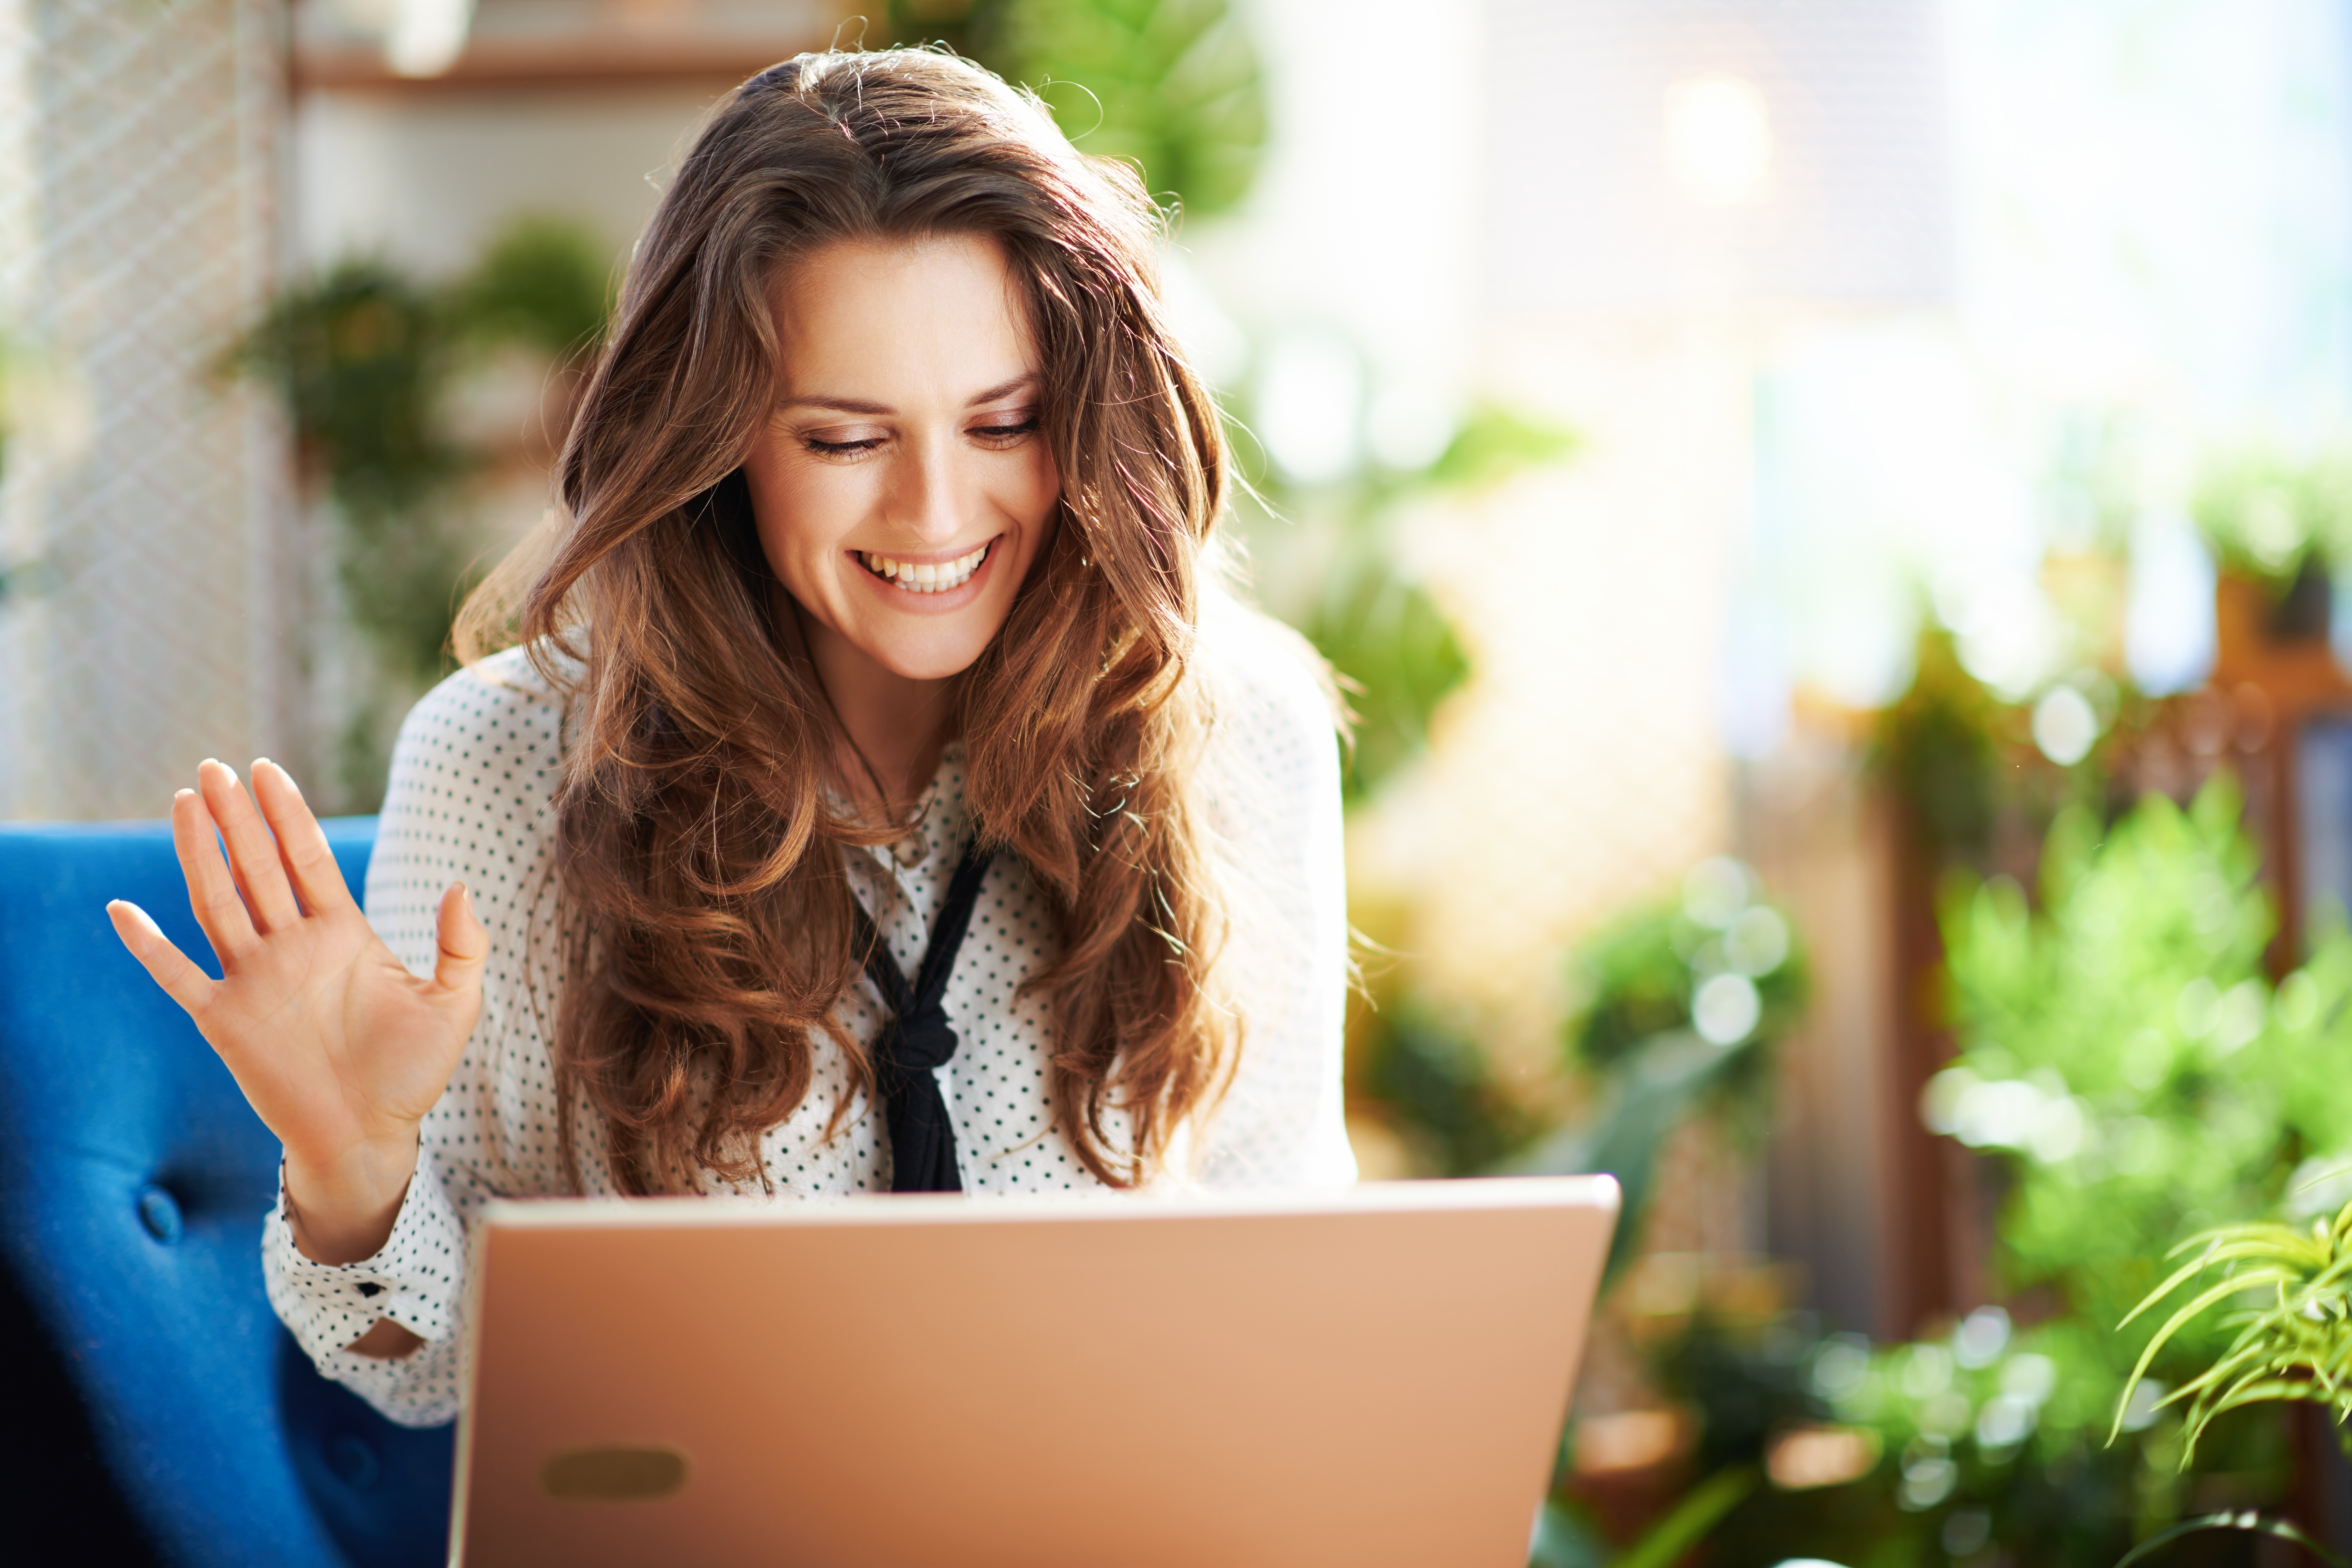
{"x": 146, "y": 922}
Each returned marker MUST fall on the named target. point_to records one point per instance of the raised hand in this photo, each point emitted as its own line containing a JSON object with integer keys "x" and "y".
{"x": 340, "y": 1049}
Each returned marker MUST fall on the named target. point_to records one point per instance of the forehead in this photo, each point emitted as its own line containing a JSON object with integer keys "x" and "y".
{"x": 933, "y": 313}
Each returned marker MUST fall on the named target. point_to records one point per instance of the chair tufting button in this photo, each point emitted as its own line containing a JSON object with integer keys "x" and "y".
{"x": 159, "y": 1211}
{"x": 352, "y": 1458}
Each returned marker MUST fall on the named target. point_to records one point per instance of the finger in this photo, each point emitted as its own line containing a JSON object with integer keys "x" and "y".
{"x": 211, "y": 892}
{"x": 252, "y": 850}
{"x": 303, "y": 844}
{"x": 170, "y": 968}
{"x": 461, "y": 941}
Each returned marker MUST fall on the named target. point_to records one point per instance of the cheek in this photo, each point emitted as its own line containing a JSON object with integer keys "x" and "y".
{"x": 1034, "y": 493}
{"x": 801, "y": 512}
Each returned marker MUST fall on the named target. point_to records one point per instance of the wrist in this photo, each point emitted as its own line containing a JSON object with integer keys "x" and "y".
{"x": 342, "y": 1209}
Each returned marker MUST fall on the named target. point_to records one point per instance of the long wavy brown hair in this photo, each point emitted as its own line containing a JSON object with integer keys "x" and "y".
{"x": 696, "y": 844}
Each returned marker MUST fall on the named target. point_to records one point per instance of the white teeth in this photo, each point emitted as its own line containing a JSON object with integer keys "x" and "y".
{"x": 926, "y": 577}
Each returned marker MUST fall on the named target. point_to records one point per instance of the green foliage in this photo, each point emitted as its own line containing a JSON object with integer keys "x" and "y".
{"x": 1173, "y": 86}
{"x": 360, "y": 356}
{"x": 1681, "y": 1006}
{"x": 1388, "y": 639}
{"x": 364, "y": 357}
{"x": 2266, "y": 515}
{"x": 2135, "y": 1076}
{"x": 2292, "y": 1288}
{"x": 1396, "y": 651}
{"x": 1495, "y": 444}
{"x": 1641, "y": 975}
{"x": 2011, "y": 1428}
{"x": 1963, "y": 763}
{"x": 1563, "y": 1540}
{"x": 2130, "y": 1076}
{"x": 2242, "y": 1520}
{"x": 1445, "y": 1092}
{"x": 2122, "y": 1052}
{"x": 541, "y": 284}
{"x": 1935, "y": 748}
{"x": 2125, "y": 1053}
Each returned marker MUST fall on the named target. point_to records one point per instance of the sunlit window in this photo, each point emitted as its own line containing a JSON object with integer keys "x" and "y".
{"x": 1718, "y": 140}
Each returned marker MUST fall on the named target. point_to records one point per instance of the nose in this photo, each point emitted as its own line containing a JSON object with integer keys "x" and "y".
{"x": 926, "y": 499}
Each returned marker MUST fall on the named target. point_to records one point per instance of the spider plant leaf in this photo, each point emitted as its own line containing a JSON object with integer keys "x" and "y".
{"x": 2245, "y": 1520}
{"x": 2219, "y": 1373}
{"x": 2172, "y": 1326}
{"x": 2180, "y": 1276}
{"x": 2331, "y": 1277}
{"x": 2262, "y": 1392}
{"x": 2208, "y": 1260}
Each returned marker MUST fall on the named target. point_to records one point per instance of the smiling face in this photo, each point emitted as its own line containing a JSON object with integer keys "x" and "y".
{"x": 903, "y": 487}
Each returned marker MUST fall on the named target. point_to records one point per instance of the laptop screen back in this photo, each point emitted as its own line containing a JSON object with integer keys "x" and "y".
{"x": 1373, "y": 1376}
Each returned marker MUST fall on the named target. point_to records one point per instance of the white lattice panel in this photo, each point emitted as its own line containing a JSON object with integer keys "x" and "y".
{"x": 145, "y": 514}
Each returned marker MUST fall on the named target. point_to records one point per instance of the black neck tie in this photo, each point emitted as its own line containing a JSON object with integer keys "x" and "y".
{"x": 918, "y": 1038}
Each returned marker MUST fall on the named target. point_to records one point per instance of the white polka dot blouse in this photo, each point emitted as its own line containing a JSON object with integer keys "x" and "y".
{"x": 471, "y": 798}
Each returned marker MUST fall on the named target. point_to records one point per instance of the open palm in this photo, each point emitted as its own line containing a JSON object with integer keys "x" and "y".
{"x": 339, "y": 1048}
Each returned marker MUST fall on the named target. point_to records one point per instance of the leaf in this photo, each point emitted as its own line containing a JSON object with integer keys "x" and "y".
{"x": 544, "y": 282}
{"x": 1688, "y": 1522}
{"x": 1171, "y": 85}
{"x": 2247, "y": 1520}
{"x": 1563, "y": 1540}
{"x": 1624, "y": 1139}
{"x": 2173, "y": 1325}
{"x": 1383, "y": 632}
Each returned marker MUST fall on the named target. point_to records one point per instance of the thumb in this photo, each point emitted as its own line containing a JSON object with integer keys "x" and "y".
{"x": 462, "y": 943}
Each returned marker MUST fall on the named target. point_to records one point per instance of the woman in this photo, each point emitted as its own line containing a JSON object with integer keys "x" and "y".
{"x": 882, "y": 795}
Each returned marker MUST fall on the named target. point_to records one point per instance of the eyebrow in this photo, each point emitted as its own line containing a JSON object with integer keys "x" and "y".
{"x": 860, "y": 405}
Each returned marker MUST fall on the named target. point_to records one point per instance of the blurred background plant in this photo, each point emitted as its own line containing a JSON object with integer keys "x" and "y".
{"x": 2292, "y": 1311}
{"x": 2129, "y": 1075}
{"x": 2279, "y": 521}
{"x": 1172, "y": 86}
{"x": 371, "y": 362}
{"x": 1337, "y": 566}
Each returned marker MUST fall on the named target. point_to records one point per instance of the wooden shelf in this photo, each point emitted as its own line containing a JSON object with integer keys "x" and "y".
{"x": 607, "y": 58}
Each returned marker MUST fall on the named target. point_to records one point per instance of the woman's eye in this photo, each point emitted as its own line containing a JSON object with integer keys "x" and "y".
{"x": 838, "y": 449}
{"x": 1006, "y": 430}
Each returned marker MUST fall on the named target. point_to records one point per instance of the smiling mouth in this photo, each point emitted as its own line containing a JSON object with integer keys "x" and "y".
{"x": 929, "y": 577}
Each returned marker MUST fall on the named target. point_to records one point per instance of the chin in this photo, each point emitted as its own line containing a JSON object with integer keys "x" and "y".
{"x": 926, "y": 659}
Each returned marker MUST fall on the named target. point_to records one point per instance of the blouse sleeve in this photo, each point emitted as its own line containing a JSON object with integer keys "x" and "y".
{"x": 1274, "y": 785}
{"x": 471, "y": 799}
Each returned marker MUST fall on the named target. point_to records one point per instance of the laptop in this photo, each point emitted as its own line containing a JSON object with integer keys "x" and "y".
{"x": 1367, "y": 1376}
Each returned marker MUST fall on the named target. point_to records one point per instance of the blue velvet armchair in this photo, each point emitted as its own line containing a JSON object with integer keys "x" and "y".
{"x": 158, "y": 1410}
